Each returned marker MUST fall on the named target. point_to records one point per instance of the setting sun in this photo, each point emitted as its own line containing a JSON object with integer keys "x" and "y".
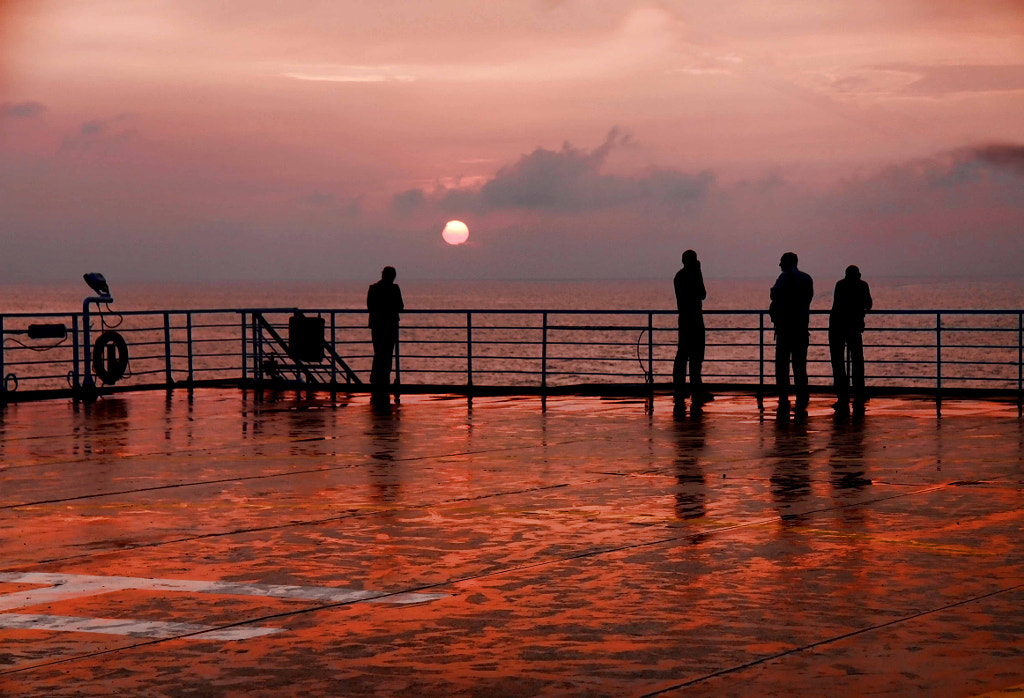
{"x": 455, "y": 232}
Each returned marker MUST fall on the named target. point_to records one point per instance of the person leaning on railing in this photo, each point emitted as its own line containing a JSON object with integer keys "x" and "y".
{"x": 850, "y": 302}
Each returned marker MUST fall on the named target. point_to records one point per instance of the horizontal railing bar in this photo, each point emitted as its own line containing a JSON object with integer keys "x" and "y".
{"x": 998, "y": 347}
{"x": 151, "y": 344}
{"x": 504, "y": 311}
{"x": 452, "y": 371}
{"x": 1000, "y": 330}
{"x": 597, "y": 328}
{"x": 40, "y": 362}
{"x": 133, "y": 330}
{"x": 902, "y": 346}
{"x": 41, "y": 377}
{"x": 962, "y": 362}
{"x": 153, "y": 357}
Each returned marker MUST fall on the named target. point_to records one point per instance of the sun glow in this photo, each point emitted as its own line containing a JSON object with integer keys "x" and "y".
{"x": 455, "y": 232}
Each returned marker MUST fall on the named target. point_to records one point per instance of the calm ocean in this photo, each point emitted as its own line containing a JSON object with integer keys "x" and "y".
{"x": 723, "y": 294}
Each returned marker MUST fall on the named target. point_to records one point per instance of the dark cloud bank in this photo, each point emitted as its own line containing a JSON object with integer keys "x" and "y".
{"x": 553, "y": 213}
{"x": 557, "y": 212}
{"x": 567, "y": 181}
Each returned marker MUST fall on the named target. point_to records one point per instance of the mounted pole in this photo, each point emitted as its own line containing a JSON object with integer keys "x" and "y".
{"x": 88, "y": 382}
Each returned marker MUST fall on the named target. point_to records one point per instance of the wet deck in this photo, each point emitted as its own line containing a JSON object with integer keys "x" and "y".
{"x": 215, "y": 545}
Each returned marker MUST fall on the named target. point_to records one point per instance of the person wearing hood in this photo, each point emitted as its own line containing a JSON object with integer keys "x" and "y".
{"x": 850, "y": 303}
{"x": 690, "y": 295}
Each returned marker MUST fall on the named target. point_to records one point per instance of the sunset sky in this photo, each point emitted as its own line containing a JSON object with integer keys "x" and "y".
{"x": 321, "y": 139}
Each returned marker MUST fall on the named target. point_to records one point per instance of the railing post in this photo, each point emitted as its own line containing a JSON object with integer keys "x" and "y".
{"x": 168, "y": 372}
{"x": 334, "y": 364}
{"x": 257, "y": 347}
{"x": 760, "y": 356}
{"x": 938, "y": 352}
{"x": 188, "y": 336}
{"x": 245, "y": 350}
{"x": 469, "y": 349}
{"x": 1020, "y": 362}
{"x": 650, "y": 350}
{"x": 544, "y": 352}
{"x": 75, "y": 377}
{"x": 3, "y": 374}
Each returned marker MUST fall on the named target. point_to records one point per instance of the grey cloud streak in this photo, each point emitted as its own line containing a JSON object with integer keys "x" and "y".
{"x": 100, "y": 134}
{"x": 937, "y": 80}
{"x": 21, "y": 110}
{"x": 1002, "y": 155}
{"x": 568, "y": 180}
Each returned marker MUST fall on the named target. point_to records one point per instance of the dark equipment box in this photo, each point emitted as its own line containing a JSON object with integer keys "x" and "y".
{"x": 306, "y": 338}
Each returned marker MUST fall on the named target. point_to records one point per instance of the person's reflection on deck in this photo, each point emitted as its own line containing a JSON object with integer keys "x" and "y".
{"x": 846, "y": 458}
{"x": 791, "y": 477}
{"x": 691, "y": 489}
{"x": 385, "y": 448}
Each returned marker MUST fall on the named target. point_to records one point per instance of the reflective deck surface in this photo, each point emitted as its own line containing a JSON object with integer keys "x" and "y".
{"x": 213, "y": 544}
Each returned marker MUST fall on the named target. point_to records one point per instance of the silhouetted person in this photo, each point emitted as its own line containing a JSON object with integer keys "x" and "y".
{"x": 850, "y": 302}
{"x": 790, "y": 310}
{"x": 690, "y": 294}
{"x": 384, "y": 301}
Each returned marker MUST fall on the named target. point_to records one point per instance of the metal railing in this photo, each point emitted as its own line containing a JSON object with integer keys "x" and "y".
{"x": 912, "y": 350}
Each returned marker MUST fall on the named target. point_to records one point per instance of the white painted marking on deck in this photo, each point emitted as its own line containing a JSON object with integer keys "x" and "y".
{"x": 131, "y": 628}
{"x": 55, "y": 587}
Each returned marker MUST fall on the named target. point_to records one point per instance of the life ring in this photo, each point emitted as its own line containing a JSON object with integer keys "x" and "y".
{"x": 113, "y": 370}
